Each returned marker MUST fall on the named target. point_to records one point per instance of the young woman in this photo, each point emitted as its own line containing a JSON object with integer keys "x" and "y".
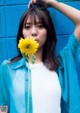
{"x": 54, "y": 83}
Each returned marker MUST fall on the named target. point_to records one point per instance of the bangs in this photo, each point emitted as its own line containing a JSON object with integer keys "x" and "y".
{"x": 33, "y": 15}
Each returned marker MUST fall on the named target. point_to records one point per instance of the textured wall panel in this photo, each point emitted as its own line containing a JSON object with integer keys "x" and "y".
{"x": 3, "y": 49}
{"x": 13, "y": 14}
{"x": 11, "y": 2}
{"x": 11, "y": 45}
{"x": 10, "y": 15}
{"x": 2, "y": 22}
{"x": 1, "y": 2}
{"x": 62, "y": 23}
{"x": 61, "y": 42}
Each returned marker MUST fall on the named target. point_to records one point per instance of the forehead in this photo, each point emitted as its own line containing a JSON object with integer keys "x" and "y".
{"x": 33, "y": 19}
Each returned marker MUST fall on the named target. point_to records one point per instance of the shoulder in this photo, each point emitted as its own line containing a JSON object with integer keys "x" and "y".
{"x": 73, "y": 40}
{"x": 4, "y": 66}
{"x": 4, "y": 63}
{"x": 13, "y": 65}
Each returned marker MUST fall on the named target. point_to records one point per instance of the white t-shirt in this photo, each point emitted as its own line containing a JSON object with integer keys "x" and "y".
{"x": 46, "y": 90}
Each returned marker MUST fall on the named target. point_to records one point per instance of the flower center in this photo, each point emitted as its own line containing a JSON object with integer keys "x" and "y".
{"x": 28, "y": 46}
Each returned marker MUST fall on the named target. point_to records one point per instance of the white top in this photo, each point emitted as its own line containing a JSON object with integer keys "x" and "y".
{"x": 46, "y": 90}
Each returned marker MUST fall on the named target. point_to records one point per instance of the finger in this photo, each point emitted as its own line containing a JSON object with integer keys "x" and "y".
{"x": 31, "y": 2}
{"x": 34, "y": 1}
{"x": 28, "y": 5}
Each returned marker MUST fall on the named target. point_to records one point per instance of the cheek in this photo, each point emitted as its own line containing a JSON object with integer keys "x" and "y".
{"x": 25, "y": 33}
{"x": 43, "y": 38}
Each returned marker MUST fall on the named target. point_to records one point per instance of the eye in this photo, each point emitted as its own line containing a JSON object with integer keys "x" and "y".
{"x": 40, "y": 26}
{"x": 27, "y": 27}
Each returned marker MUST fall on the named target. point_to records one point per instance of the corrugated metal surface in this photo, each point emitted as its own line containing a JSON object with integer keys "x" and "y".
{"x": 10, "y": 13}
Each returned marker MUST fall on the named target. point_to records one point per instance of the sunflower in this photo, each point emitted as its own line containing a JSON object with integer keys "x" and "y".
{"x": 28, "y": 46}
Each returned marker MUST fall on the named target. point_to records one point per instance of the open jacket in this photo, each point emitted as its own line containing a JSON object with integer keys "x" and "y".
{"x": 14, "y": 81}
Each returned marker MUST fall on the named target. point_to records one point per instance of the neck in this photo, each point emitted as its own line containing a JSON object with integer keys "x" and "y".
{"x": 39, "y": 56}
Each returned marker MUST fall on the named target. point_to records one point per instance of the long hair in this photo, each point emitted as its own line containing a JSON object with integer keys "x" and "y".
{"x": 48, "y": 57}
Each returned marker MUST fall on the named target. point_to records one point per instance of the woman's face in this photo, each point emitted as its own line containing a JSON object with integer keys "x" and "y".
{"x": 35, "y": 30}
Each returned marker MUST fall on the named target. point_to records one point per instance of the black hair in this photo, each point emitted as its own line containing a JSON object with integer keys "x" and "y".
{"x": 48, "y": 57}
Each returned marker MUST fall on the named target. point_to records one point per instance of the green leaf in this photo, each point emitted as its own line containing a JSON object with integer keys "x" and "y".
{"x": 26, "y": 57}
{"x": 33, "y": 59}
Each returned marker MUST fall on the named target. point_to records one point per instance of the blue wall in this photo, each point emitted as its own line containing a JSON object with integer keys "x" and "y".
{"x": 10, "y": 13}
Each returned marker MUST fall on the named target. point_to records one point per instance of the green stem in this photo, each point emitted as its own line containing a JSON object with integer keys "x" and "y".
{"x": 28, "y": 105}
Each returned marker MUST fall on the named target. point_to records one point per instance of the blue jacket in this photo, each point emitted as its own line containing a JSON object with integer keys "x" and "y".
{"x": 14, "y": 81}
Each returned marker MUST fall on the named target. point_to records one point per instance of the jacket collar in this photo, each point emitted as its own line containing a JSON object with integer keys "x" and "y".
{"x": 18, "y": 64}
{"x": 22, "y": 62}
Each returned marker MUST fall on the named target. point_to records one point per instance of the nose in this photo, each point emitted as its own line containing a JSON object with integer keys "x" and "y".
{"x": 34, "y": 31}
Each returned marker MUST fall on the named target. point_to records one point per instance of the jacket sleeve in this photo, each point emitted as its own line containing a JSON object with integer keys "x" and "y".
{"x": 4, "y": 92}
{"x": 74, "y": 46}
{"x": 68, "y": 75}
{"x": 2, "y": 100}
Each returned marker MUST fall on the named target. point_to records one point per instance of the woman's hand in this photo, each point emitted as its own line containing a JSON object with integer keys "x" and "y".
{"x": 47, "y": 2}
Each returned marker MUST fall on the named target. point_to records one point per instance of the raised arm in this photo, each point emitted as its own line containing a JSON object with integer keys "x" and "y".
{"x": 72, "y": 13}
